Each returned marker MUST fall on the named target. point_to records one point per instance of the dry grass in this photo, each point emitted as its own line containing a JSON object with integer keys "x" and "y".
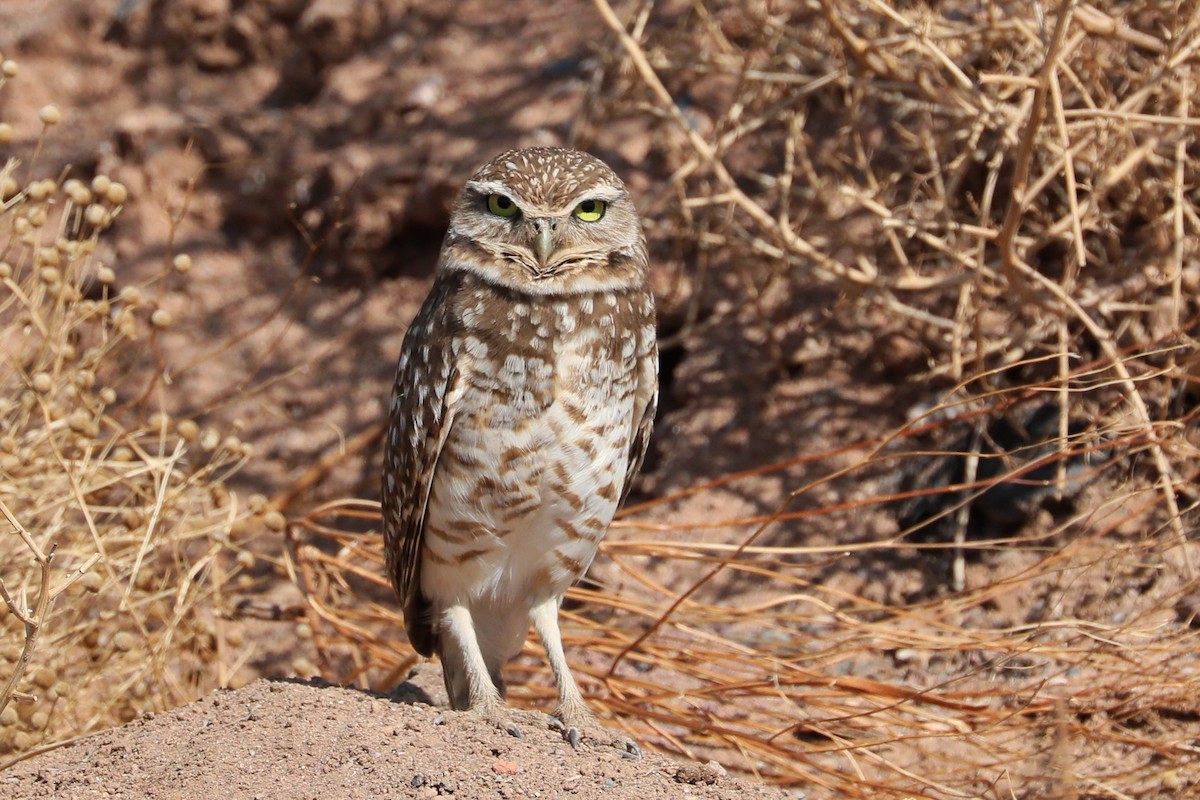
{"x": 1016, "y": 193}
{"x": 116, "y": 546}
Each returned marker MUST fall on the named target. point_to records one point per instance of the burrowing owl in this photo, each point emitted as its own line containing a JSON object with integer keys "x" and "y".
{"x": 523, "y": 404}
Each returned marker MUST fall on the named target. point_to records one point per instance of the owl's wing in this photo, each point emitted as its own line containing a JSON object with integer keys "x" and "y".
{"x": 422, "y": 414}
{"x": 645, "y": 404}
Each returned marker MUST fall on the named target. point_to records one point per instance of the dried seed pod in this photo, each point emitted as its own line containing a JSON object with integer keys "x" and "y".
{"x": 96, "y": 215}
{"x": 219, "y": 495}
{"x": 116, "y": 193}
{"x": 49, "y": 256}
{"x": 80, "y": 195}
{"x": 126, "y": 324}
{"x": 210, "y": 438}
{"x": 304, "y": 668}
{"x": 80, "y": 421}
{"x": 44, "y": 677}
{"x": 188, "y": 430}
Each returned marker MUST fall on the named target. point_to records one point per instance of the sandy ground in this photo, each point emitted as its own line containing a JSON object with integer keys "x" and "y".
{"x": 282, "y": 739}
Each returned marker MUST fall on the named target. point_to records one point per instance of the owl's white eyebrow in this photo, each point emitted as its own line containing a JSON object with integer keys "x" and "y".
{"x": 609, "y": 194}
{"x": 495, "y": 187}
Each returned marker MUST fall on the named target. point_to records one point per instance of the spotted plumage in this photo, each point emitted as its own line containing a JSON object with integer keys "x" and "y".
{"x": 522, "y": 409}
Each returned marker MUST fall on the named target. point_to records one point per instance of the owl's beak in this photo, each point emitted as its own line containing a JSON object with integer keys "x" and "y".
{"x": 544, "y": 244}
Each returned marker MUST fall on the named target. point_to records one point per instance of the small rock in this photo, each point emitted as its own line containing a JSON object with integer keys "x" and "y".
{"x": 693, "y": 773}
{"x": 502, "y": 767}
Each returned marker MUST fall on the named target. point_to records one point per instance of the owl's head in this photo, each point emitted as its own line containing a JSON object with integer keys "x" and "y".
{"x": 547, "y": 220}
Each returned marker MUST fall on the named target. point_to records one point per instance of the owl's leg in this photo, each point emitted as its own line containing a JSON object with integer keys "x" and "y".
{"x": 573, "y": 714}
{"x": 465, "y": 672}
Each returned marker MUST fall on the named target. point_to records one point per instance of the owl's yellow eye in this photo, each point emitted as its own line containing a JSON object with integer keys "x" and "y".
{"x": 590, "y": 210}
{"x": 501, "y": 206}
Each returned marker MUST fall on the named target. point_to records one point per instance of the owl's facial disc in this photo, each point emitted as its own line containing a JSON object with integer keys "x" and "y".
{"x": 546, "y": 234}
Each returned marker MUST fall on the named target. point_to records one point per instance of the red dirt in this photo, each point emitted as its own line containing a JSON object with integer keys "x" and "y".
{"x": 298, "y": 740}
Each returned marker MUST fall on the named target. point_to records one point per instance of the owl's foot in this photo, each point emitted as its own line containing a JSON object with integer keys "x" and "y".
{"x": 583, "y": 726}
{"x": 497, "y": 716}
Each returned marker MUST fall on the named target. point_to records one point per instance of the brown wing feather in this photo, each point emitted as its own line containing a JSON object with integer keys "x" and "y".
{"x": 422, "y": 414}
{"x": 645, "y": 405}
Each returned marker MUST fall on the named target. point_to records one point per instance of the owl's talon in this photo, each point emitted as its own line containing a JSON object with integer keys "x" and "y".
{"x": 572, "y": 735}
{"x": 498, "y": 718}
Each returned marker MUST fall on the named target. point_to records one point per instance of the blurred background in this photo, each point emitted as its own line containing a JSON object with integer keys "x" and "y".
{"x": 919, "y": 513}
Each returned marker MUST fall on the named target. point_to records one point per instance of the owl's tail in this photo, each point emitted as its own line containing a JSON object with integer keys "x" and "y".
{"x": 418, "y": 623}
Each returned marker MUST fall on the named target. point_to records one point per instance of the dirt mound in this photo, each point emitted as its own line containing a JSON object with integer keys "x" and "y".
{"x": 300, "y": 740}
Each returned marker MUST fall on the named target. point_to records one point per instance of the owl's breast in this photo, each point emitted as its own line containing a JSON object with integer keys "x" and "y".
{"x": 532, "y": 470}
